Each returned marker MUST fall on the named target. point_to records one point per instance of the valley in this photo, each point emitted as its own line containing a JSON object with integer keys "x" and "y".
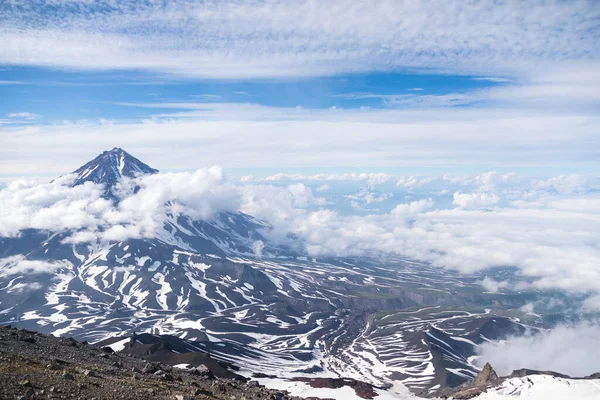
{"x": 379, "y": 319}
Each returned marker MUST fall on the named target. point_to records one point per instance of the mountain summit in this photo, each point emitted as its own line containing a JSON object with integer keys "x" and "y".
{"x": 110, "y": 166}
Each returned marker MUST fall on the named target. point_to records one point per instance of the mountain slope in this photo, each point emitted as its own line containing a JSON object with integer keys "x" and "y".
{"x": 275, "y": 311}
{"x": 110, "y": 166}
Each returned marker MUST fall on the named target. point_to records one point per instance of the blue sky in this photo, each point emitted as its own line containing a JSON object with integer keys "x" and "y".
{"x": 272, "y": 86}
{"x": 56, "y": 94}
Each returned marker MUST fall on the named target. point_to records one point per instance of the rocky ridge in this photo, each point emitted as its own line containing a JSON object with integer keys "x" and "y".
{"x": 488, "y": 379}
{"x": 37, "y": 366}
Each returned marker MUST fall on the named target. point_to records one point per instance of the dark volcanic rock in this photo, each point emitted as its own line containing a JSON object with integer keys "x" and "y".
{"x": 362, "y": 389}
{"x": 487, "y": 375}
{"x": 38, "y": 371}
{"x": 171, "y": 350}
{"x": 486, "y": 378}
{"x": 520, "y": 373}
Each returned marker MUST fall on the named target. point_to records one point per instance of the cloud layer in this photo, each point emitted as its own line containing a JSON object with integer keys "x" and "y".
{"x": 140, "y": 213}
{"x": 548, "y": 229}
{"x": 276, "y": 38}
{"x": 252, "y": 136}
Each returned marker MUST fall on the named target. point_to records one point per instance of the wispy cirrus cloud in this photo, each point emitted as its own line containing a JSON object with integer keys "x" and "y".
{"x": 207, "y": 97}
{"x": 416, "y": 100}
{"x": 253, "y": 136}
{"x": 19, "y": 118}
{"x": 551, "y": 88}
{"x": 8, "y": 82}
{"x": 492, "y": 79}
{"x": 230, "y": 39}
{"x": 23, "y": 115}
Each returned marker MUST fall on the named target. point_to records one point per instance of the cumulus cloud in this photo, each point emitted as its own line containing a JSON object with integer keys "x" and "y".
{"x": 54, "y": 206}
{"x": 145, "y": 205}
{"x": 302, "y": 195}
{"x": 468, "y": 241}
{"x": 571, "y": 350}
{"x": 551, "y": 238}
{"x": 551, "y": 248}
{"x": 323, "y": 188}
{"x": 494, "y": 286}
{"x": 366, "y": 196}
{"x": 410, "y": 182}
{"x": 412, "y": 209}
{"x": 475, "y": 200}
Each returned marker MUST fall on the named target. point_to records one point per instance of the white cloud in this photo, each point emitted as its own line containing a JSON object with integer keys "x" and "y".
{"x": 141, "y": 213}
{"x": 323, "y": 188}
{"x": 570, "y": 350}
{"x": 556, "y": 88}
{"x": 258, "y": 247}
{"x": 314, "y": 138}
{"x": 492, "y": 285}
{"x": 492, "y": 79}
{"x": 475, "y": 200}
{"x": 275, "y": 38}
{"x": 551, "y": 238}
{"x": 207, "y": 97}
{"x": 7, "y": 82}
{"x": 592, "y": 304}
{"x": 412, "y": 209}
{"x": 542, "y": 117}
{"x": 19, "y": 265}
{"x": 552, "y": 249}
{"x": 565, "y": 184}
{"x": 24, "y": 287}
{"x": 410, "y": 182}
{"x": 372, "y": 179}
{"x": 367, "y": 196}
{"x": 302, "y": 195}
{"x": 416, "y": 100}
{"x": 23, "y": 115}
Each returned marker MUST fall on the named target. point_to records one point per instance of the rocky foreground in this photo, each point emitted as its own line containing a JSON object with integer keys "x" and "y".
{"x": 37, "y": 366}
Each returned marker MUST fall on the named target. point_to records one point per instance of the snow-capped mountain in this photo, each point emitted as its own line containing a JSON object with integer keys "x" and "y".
{"x": 274, "y": 311}
{"x": 110, "y": 166}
